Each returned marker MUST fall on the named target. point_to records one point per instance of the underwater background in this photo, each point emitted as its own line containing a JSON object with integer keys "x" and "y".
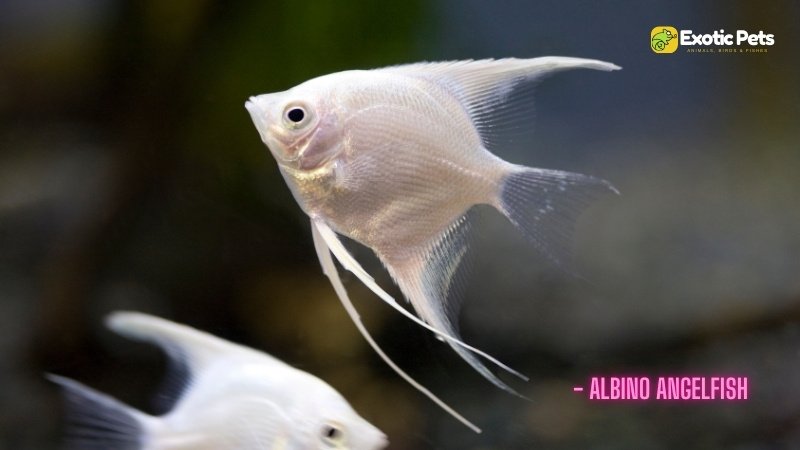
{"x": 131, "y": 177}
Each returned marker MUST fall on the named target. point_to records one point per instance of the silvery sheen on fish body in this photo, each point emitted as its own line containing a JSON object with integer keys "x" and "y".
{"x": 394, "y": 158}
{"x": 221, "y": 396}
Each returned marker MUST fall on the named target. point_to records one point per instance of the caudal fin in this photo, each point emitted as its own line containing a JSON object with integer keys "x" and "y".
{"x": 544, "y": 205}
{"x": 96, "y": 421}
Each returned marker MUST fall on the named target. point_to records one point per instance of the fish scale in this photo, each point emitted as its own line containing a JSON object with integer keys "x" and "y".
{"x": 386, "y": 217}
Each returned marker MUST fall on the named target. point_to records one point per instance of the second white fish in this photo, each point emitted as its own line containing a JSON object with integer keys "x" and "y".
{"x": 228, "y": 397}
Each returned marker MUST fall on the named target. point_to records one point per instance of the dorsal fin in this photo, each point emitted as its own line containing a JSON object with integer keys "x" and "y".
{"x": 177, "y": 340}
{"x": 189, "y": 350}
{"x": 484, "y": 87}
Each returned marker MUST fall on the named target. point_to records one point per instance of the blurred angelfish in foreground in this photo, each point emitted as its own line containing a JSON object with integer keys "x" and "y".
{"x": 394, "y": 159}
{"x": 232, "y": 397}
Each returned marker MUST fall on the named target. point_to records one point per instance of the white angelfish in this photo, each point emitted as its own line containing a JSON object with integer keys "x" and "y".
{"x": 394, "y": 158}
{"x": 233, "y": 397}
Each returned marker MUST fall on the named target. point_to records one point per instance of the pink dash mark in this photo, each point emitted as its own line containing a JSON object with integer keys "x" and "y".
{"x": 577, "y": 389}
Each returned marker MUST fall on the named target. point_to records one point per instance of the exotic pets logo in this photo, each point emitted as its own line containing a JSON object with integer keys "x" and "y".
{"x": 666, "y": 39}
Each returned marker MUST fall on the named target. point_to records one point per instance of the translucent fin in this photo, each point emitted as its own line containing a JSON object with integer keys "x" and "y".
{"x": 176, "y": 382}
{"x": 197, "y": 347}
{"x": 545, "y": 204}
{"x": 485, "y": 88}
{"x": 426, "y": 280}
{"x": 349, "y": 263}
{"x": 329, "y": 269}
{"x": 189, "y": 350}
{"x": 448, "y": 263}
{"x": 96, "y": 421}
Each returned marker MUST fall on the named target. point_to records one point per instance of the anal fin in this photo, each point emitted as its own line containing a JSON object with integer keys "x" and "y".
{"x": 431, "y": 277}
{"x": 344, "y": 257}
{"x": 329, "y": 268}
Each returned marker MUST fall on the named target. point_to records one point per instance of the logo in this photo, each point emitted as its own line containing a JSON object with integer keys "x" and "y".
{"x": 664, "y": 39}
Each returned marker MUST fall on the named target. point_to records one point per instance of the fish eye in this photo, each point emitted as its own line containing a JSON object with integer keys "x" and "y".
{"x": 295, "y": 116}
{"x": 332, "y": 434}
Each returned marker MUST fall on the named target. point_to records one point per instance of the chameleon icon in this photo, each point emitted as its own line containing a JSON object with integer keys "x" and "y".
{"x": 661, "y": 39}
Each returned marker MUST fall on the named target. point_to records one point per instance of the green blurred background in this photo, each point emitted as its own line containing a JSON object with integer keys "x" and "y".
{"x": 131, "y": 177}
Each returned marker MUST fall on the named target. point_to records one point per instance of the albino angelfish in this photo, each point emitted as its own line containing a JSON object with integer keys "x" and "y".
{"x": 394, "y": 158}
{"x": 228, "y": 397}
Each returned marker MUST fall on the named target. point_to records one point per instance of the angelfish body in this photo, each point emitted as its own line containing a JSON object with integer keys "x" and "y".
{"x": 394, "y": 158}
{"x": 228, "y": 397}
{"x": 404, "y": 173}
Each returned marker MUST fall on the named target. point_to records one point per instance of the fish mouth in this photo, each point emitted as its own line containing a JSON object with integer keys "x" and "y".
{"x": 260, "y": 117}
{"x": 384, "y": 441}
{"x": 250, "y": 105}
{"x": 257, "y": 116}
{"x": 299, "y": 149}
